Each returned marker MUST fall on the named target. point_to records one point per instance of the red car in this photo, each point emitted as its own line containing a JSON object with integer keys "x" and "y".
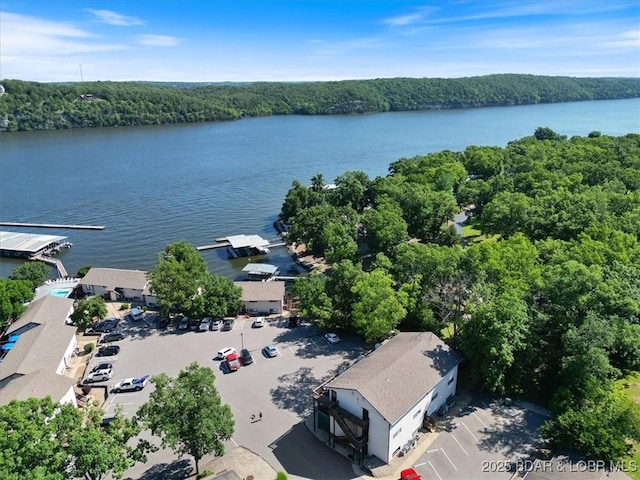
{"x": 409, "y": 474}
{"x": 232, "y": 362}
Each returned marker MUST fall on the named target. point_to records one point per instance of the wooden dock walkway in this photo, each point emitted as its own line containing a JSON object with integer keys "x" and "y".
{"x": 62, "y": 272}
{"x": 215, "y": 245}
{"x": 52, "y": 225}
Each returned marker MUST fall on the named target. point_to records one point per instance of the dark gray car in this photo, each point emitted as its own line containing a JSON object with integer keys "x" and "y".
{"x": 112, "y": 336}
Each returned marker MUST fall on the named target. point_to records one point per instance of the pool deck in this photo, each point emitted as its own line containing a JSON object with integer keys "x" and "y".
{"x": 55, "y": 284}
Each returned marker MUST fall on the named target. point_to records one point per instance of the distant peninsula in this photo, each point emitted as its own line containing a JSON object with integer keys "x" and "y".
{"x": 28, "y": 106}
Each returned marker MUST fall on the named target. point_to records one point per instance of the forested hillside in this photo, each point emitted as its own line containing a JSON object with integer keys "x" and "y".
{"x": 543, "y": 300}
{"x": 37, "y": 106}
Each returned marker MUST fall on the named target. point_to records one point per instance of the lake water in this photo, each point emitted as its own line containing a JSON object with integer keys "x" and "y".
{"x": 151, "y": 186}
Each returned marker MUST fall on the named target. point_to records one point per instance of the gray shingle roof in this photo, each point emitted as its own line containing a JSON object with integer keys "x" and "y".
{"x": 38, "y": 384}
{"x": 44, "y": 339}
{"x": 397, "y": 375}
{"x": 112, "y": 278}
{"x": 261, "y": 291}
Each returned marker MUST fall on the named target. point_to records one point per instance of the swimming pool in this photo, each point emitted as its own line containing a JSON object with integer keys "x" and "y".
{"x": 61, "y": 292}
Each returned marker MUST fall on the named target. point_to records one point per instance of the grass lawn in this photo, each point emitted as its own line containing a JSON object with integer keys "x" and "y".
{"x": 472, "y": 234}
{"x": 634, "y": 392}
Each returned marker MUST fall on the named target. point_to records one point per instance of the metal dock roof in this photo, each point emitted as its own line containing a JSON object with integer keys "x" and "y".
{"x": 27, "y": 242}
{"x": 260, "y": 269}
{"x": 242, "y": 241}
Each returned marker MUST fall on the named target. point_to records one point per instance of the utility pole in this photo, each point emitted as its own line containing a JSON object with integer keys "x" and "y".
{"x": 81, "y": 75}
{"x": 242, "y": 340}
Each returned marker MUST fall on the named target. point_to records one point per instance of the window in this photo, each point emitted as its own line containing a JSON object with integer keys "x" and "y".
{"x": 451, "y": 380}
{"x": 435, "y": 395}
{"x": 415, "y": 415}
{"x": 397, "y": 433}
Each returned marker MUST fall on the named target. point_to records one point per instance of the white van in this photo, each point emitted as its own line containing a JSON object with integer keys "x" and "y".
{"x": 136, "y": 314}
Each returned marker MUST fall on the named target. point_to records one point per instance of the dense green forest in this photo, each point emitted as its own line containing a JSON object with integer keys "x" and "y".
{"x": 541, "y": 297}
{"x": 37, "y": 106}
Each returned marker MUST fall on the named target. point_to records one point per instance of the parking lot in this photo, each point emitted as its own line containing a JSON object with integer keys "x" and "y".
{"x": 486, "y": 439}
{"x": 279, "y": 387}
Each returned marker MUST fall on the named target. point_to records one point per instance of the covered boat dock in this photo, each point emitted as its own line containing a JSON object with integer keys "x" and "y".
{"x": 31, "y": 246}
{"x": 260, "y": 271}
{"x": 27, "y": 245}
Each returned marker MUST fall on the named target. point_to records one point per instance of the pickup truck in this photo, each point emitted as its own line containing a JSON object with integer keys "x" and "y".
{"x": 232, "y": 362}
{"x": 131, "y": 384}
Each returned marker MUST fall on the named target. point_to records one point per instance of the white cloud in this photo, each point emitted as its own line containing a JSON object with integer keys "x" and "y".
{"x": 159, "y": 40}
{"x": 630, "y": 39}
{"x": 410, "y": 19}
{"x": 501, "y": 10}
{"x": 112, "y": 18}
{"x": 22, "y": 35}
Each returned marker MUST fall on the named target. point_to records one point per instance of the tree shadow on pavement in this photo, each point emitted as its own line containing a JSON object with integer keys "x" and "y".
{"x": 178, "y": 469}
{"x": 514, "y": 431}
{"x": 294, "y": 391}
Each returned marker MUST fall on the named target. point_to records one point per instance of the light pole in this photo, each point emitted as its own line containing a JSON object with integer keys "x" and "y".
{"x": 242, "y": 340}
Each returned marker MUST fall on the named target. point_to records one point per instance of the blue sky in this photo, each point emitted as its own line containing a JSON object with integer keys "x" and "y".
{"x": 252, "y": 40}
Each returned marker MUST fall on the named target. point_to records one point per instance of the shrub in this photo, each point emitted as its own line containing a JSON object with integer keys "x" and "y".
{"x": 124, "y": 306}
{"x": 206, "y": 473}
{"x": 88, "y": 348}
{"x": 281, "y": 476}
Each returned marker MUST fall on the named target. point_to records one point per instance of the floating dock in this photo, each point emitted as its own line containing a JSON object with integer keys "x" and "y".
{"x": 52, "y": 225}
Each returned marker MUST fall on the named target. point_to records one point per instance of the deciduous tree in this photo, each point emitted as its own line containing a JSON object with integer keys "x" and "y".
{"x": 14, "y": 294}
{"x": 378, "y": 307}
{"x": 188, "y": 414}
{"x": 33, "y": 272}
{"x": 45, "y": 440}
{"x": 88, "y": 309}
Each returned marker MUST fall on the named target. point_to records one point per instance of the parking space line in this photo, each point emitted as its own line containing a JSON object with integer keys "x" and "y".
{"x": 460, "y": 445}
{"x": 314, "y": 343}
{"x": 470, "y": 432}
{"x": 292, "y": 350}
{"x": 434, "y": 469}
{"x": 420, "y": 464}
{"x": 445, "y": 454}
{"x": 434, "y": 450}
{"x": 234, "y": 442}
{"x": 480, "y": 420}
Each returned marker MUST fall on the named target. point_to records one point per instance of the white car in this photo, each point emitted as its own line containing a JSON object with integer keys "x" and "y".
{"x": 258, "y": 322}
{"x": 98, "y": 376}
{"x": 131, "y": 384}
{"x": 216, "y": 324}
{"x": 332, "y": 338}
{"x": 222, "y": 354}
{"x": 270, "y": 350}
